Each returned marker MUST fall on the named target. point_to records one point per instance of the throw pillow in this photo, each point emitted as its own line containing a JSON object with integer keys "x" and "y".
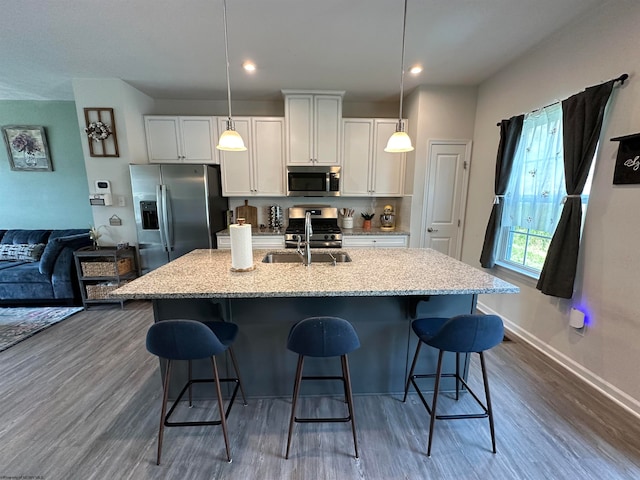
{"x": 21, "y": 251}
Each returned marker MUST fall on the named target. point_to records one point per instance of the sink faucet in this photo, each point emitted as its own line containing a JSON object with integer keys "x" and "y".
{"x": 308, "y": 231}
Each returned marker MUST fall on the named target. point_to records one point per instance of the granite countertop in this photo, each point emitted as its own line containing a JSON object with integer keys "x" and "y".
{"x": 372, "y": 272}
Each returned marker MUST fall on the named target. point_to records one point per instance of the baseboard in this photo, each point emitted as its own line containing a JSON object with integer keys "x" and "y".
{"x": 627, "y": 402}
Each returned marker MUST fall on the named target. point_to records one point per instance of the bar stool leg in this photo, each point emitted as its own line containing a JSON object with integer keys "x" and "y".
{"x": 347, "y": 376}
{"x": 489, "y": 409}
{"x": 436, "y": 389}
{"x": 457, "y": 376}
{"x": 413, "y": 366}
{"x": 296, "y": 391}
{"x": 235, "y": 367}
{"x": 190, "y": 394}
{"x": 223, "y": 420}
{"x": 163, "y": 412}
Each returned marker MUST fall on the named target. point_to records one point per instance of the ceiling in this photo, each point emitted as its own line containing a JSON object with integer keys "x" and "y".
{"x": 174, "y": 49}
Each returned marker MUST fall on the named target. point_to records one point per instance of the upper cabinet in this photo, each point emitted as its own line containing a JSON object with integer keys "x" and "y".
{"x": 313, "y": 123}
{"x": 367, "y": 170}
{"x": 260, "y": 169}
{"x": 173, "y": 139}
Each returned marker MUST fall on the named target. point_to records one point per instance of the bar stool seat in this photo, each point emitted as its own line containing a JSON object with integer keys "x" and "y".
{"x": 323, "y": 337}
{"x": 192, "y": 340}
{"x": 459, "y": 334}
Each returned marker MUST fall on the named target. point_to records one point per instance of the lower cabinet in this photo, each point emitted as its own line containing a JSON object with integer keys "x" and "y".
{"x": 375, "y": 241}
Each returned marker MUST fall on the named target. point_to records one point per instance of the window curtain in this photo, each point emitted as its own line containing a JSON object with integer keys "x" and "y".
{"x": 509, "y": 135}
{"x": 582, "y": 116}
{"x": 533, "y": 198}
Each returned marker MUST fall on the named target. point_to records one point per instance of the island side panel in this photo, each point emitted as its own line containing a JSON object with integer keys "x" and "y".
{"x": 383, "y": 325}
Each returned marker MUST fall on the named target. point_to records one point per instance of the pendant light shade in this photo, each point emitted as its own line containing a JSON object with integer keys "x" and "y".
{"x": 230, "y": 140}
{"x": 400, "y": 142}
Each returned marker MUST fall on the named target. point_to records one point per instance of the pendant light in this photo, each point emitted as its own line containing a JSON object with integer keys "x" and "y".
{"x": 400, "y": 142}
{"x": 230, "y": 140}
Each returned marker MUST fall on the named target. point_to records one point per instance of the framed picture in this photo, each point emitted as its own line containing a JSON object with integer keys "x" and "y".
{"x": 27, "y": 148}
{"x": 627, "y": 170}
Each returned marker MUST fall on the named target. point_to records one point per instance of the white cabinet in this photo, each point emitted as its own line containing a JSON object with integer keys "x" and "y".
{"x": 258, "y": 242}
{"x": 375, "y": 241}
{"x": 313, "y": 127}
{"x": 172, "y": 139}
{"x": 367, "y": 170}
{"x": 260, "y": 169}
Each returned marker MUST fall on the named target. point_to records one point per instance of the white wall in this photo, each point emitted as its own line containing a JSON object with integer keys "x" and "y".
{"x": 129, "y": 105}
{"x": 434, "y": 113}
{"x": 596, "y": 48}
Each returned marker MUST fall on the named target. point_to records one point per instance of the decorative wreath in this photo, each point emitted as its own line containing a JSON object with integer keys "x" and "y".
{"x": 98, "y": 131}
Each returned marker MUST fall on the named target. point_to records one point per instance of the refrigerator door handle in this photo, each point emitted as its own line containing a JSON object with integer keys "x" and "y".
{"x": 167, "y": 219}
{"x": 161, "y": 218}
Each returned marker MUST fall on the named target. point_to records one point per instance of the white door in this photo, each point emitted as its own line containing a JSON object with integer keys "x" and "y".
{"x": 446, "y": 195}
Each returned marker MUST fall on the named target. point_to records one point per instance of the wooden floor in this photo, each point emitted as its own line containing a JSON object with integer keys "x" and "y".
{"x": 81, "y": 401}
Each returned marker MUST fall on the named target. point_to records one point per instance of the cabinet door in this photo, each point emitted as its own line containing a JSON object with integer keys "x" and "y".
{"x": 387, "y": 176}
{"x": 327, "y": 128}
{"x": 198, "y": 139}
{"x": 375, "y": 241}
{"x": 163, "y": 139}
{"x": 357, "y": 137}
{"x": 236, "y": 167}
{"x": 268, "y": 155}
{"x": 299, "y": 134}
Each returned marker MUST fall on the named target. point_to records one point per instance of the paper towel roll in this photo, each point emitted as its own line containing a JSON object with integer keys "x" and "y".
{"x": 241, "y": 253}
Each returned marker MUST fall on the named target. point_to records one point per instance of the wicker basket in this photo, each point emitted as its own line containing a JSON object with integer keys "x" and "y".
{"x": 107, "y": 269}
{"x": 101, "y": 291}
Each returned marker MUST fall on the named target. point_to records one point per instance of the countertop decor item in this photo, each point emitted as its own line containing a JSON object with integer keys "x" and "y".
{"x": 27, "y": 148}
{"x": 101, "y": 132}
{"x": 400, "y": 142}
{"x": 230, "y": 140}
{"x": 249, "y": 213}
{"x": 366, "y": 224}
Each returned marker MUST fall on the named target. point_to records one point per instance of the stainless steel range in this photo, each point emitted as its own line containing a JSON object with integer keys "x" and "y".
{"x": 324, "y": 223}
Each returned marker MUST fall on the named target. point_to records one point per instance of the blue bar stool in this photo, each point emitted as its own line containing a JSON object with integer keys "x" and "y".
{"x": 460, "y": 334}
{"x": 191, "y": 340}
{"x": 323, "y": 337}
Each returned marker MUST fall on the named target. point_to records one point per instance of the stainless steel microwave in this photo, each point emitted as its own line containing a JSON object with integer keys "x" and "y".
{"x": 316, "y": 181}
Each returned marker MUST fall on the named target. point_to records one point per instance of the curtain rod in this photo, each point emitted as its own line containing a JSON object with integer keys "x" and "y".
{"x": 622, "y": 78}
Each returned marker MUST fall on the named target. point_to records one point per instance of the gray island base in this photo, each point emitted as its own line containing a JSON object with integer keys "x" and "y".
{"x": 380, "y": 291}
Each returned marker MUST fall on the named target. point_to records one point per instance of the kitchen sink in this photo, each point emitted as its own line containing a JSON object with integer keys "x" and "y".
{"x": 294, "y": 257}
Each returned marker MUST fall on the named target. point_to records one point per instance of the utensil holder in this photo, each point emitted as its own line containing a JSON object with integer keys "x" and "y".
{"x": 347, "y": 222}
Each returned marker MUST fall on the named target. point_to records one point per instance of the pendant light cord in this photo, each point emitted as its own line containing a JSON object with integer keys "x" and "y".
{"x": 226, "y": 51}
{"x": 404, "y": 27}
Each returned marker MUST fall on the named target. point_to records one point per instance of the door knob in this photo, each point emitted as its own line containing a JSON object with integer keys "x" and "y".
{"x": 432, "y": 229}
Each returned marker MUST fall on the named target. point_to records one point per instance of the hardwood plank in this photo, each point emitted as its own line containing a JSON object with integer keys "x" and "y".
{"x": 81, "y": 400}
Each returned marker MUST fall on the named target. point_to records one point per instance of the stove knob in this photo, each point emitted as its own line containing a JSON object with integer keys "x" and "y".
{"x": 333, "y": 237}
{"x": 326, "y": 237}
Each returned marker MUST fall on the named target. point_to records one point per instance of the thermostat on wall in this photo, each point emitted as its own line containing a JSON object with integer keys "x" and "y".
{"x": 103, "y": 193}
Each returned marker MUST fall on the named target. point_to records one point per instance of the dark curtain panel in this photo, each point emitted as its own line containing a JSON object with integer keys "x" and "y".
{"x": 510, "y": 131}
{"x": 582, "y": 116}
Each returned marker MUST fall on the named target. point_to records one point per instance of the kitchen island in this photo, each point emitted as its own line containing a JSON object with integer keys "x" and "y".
{"x": 380, "y": 291}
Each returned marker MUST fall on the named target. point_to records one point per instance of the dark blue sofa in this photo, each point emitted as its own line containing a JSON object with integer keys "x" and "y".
{"x": 50, "y": 280}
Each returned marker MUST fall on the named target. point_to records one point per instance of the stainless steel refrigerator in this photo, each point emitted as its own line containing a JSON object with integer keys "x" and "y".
{"x": 178, "y": 208}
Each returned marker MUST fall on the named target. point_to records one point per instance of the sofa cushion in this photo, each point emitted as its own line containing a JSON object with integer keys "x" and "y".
{"x": 21, "y": 251}
{"x": 25, "y": 236}
{"x": 58, "y": 240}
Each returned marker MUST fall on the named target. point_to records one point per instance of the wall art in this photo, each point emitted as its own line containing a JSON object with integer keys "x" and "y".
{"x": 27, "y": 148}
{"x": 627, "y": 169}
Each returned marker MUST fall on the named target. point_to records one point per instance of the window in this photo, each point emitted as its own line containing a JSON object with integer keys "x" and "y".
{"x": 533, "y": 200}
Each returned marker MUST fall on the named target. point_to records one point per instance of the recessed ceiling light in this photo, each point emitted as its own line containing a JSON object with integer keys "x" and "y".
{"x": 249, "y": 66}
{"x": 416, "y": 69}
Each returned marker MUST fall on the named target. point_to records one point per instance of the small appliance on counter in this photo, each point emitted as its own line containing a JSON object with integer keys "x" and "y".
{"x": 388, "y": 219}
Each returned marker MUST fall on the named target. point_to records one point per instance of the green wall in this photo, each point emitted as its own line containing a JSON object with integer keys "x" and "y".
{"x": 47, "y": 200}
